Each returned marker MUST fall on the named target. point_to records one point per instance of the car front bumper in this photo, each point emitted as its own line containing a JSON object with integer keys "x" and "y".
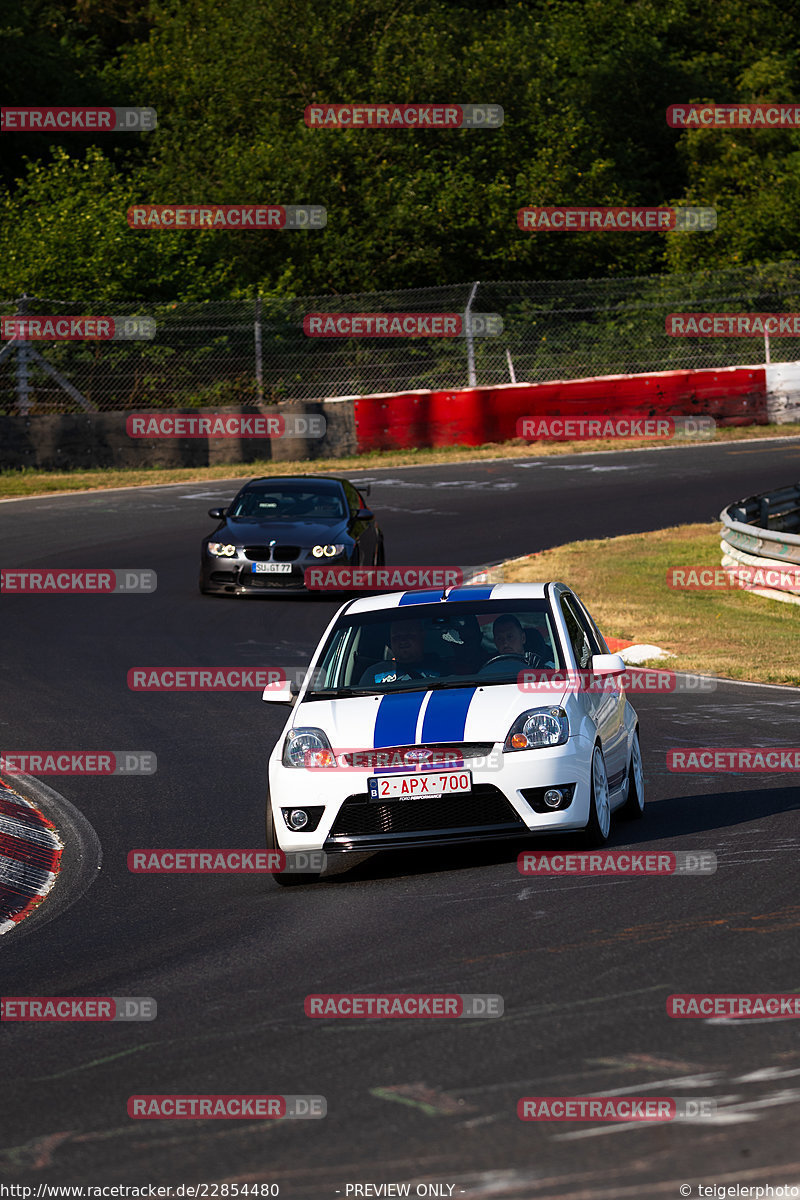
{"x": 234, "y": 578}
{"x": 497, "y": 806}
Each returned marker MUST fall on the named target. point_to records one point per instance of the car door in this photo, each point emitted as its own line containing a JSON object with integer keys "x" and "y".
{"x": 605, "y": 700}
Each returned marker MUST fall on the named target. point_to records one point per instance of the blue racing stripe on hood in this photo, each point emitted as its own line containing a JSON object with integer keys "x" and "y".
{"x": 396, "y": 721}
{"x": 446, "y": 715}
{"x": 470, "y": 592}
{"x": 421, "y": 597}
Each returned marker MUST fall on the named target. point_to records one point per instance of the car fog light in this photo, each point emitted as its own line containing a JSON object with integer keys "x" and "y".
{"x": 298, "y": 818}
{"x": 553, "y": 797}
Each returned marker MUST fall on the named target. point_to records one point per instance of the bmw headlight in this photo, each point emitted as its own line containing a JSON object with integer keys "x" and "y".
{"x": 329, "y": 551}
{"x": 221, "y": 550}
{"x": 308, "y": 748}
{"x": 537, "y": 728}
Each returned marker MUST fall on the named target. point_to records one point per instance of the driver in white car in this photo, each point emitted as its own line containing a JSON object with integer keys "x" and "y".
{"x": 409, "y": 660}
{"x": 508, "y": 634}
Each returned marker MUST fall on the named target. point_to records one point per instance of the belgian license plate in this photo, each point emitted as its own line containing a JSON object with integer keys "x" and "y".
{"x": 271, "y": 568}
{"x": 424, "y": 783}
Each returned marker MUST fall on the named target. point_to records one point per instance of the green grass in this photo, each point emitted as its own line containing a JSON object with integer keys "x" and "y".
{"x": 735, "y": 634}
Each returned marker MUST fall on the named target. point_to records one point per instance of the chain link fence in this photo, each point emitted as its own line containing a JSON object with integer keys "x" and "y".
{"x": 223, "y": 353}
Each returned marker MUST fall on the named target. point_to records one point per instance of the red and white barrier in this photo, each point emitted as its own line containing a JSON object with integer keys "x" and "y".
{"x": 30, "y": 854}
{"x": 474, "y": 416}
{"x": 783, "y": 392}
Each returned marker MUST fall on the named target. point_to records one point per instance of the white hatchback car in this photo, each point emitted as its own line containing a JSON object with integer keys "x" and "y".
{"x": 422, "y": 720}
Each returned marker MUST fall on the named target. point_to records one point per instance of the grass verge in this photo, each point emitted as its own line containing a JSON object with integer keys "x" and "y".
{"x": 30, "y": 481}
{"x": 622, "y": 581}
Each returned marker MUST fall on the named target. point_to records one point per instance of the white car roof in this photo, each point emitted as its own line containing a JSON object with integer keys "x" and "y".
{"x": 484, "y": 592}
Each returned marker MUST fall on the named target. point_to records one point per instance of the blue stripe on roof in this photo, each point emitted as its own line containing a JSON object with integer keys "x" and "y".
{"x": 396, "y": 721}
{"x": 446, "y": 715}
{"x": 470, "y": 592}
{"x": 426, "y": 597}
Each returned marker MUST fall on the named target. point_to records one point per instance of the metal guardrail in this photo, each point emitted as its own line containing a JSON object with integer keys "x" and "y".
{"x": 762, "y": 533}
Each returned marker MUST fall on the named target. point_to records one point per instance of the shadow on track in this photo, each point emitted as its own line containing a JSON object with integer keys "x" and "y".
{"x": 664, "y": 821}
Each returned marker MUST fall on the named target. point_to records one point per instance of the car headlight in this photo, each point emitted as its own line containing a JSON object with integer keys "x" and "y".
{"x": 221, "y": 550}
{"x": 327, "y": 551}
{"x": 537, "y": 728}
{"x": 307, "y": 748}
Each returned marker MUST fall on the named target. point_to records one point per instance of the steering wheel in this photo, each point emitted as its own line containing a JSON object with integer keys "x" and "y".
{"x": 504, "y": 658}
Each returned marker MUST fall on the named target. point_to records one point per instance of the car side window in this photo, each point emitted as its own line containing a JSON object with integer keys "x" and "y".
{"x": 353, "y": 501}
{"x": 581, "y": 645}
{"x": 595, "y": 636}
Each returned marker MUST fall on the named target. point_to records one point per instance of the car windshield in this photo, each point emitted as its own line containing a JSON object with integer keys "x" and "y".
{"x": 290, "y": 502}
{"x": 461, "y": 644}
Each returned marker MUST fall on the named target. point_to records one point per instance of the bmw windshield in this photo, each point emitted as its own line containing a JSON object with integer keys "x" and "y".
{"x": 468, "y": 644}
{"x": 290, "y": 502}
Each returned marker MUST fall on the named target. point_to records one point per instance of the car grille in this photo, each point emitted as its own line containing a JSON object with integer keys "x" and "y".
{"x": 280, "y": 553}
{"x": 293, "y": 579}
{"x": 394, "y": 756}
{"x": 485, "y": 807}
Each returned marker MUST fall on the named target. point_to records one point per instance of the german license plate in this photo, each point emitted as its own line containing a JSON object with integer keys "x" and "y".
{"x": 271, "y": 568}
{"x": 424, "y": 783}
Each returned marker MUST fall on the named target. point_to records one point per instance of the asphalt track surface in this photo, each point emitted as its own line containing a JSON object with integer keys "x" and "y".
{"x": 584, "y": 965}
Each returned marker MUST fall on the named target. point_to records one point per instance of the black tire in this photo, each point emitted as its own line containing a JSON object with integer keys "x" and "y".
{"x": 598, "y": 828}
{"x": 633, "y": 808}
{"x": 380, "y": 557}
{"x": 285, "y": 878}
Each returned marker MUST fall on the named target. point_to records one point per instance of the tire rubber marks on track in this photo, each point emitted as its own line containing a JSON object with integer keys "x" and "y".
{"x": 469, "y": 485}
{"x": 432, "y": 1101}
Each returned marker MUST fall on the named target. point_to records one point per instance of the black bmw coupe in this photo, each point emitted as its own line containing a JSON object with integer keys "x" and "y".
{"x": 277, "y": 527}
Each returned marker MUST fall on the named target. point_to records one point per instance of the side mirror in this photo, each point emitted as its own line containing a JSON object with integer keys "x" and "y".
{"x": 287, "y": 693}
{"x": 217, "y": 513}
{"x": 607, "y": 664}
{"x": 364, "y": 514}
